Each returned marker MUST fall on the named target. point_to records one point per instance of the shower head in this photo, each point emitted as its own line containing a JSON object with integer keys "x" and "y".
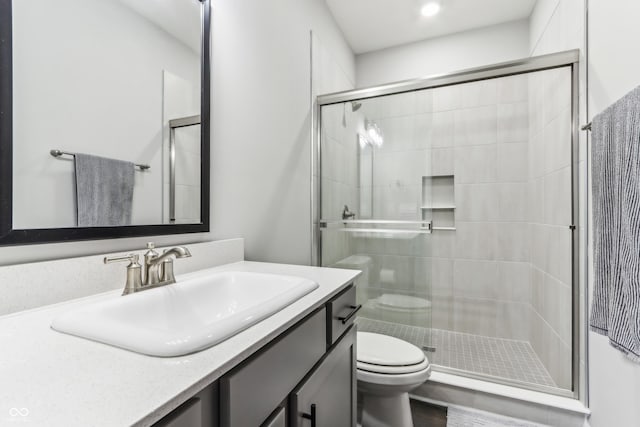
{"x": 355, "y": 106}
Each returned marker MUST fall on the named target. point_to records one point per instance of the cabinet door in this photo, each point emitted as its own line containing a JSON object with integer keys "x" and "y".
{"x": 327, "y": 397}
{"x": 277, "y": 419}
{"x": 252, "y": 391}
{"x": 199, "y": 411}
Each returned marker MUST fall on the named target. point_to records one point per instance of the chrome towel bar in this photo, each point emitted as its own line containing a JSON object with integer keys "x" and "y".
{"x": 59, "y": 153}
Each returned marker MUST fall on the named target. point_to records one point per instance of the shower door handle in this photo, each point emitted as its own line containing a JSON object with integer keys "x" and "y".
{"x": 311, "y": 416}
{"x": 421, "y": 227}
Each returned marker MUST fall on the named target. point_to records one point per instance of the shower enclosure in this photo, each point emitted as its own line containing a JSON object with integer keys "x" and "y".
{"x": 456, "y": 196}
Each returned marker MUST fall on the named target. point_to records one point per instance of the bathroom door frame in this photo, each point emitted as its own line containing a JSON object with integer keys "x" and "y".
{"x": 504, "y": 69}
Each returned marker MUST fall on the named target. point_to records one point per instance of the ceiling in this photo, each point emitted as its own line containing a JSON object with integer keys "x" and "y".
{"x": 377, "y": 24}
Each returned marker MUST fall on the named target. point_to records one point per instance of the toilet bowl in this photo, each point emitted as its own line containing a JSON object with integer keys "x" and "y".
{"x": 388, "y": 369}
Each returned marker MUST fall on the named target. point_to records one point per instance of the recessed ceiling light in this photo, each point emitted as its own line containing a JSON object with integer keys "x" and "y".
{"x": 430, "y": 9}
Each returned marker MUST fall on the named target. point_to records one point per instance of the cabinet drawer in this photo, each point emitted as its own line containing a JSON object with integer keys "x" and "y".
{"x": 341, "y": 312}
{"x": 250, "y": 393}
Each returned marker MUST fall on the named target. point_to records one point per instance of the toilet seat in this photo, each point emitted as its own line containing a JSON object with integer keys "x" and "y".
{"x": 393, "y": 370}
{"x": 383, "y": 354}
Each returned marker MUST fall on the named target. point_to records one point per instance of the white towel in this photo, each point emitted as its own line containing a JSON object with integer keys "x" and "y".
{"x": 104, "y": 191}
{"x": 615, "y": 311}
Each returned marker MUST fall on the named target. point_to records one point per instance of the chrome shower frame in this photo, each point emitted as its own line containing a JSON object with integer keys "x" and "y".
{"x": 504, "y": 69}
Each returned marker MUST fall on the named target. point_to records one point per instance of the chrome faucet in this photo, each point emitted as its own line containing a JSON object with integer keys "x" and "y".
{"x": 158, "y": 269}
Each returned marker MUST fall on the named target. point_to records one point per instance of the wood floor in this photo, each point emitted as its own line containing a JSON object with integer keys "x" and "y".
{"x": 427, "y": 415}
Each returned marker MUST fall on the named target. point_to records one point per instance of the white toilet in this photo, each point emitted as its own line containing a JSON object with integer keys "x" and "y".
{"x": 388, "y": 368}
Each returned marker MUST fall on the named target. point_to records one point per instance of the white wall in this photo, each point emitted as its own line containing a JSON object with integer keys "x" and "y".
{"x": 88, "y": 81}
{"x": 555, "y": 26}
{"x": 613, "y": 71}
{"x": 439, "y": 55}
{"x": 261, "y": 166}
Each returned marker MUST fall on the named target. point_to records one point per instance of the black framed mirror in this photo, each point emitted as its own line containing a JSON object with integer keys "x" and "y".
{"x": 122, "y": 81}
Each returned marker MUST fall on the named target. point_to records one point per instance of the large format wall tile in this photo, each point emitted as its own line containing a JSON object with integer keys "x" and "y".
{"x": 475, "y": 279}
{"x": 477, "y": 202}
{"x": 513, "y": 162}
{"x": 476, "y": 164}
{"x": 442, "y": 129}
{"x": 476, "y": 240}
{"x": 476, "y": 126}
{"x": 513, "y": 122}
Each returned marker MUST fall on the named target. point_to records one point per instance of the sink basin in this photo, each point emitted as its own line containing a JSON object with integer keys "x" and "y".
{"x": 185, "y": 317}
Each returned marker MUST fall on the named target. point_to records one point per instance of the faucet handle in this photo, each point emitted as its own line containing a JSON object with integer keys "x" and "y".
{"x": 134, "y": 271}
{"x": 132, "y": 258}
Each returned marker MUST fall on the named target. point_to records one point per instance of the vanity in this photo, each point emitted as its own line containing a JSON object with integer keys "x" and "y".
{"x": 294, "y": 368}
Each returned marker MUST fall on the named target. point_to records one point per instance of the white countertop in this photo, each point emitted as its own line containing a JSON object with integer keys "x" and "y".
{"x": 62, "y": 380}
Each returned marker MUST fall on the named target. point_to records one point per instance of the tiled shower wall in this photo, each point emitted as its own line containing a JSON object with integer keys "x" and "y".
{"x": 478, "y": 275}
{"x": 550, "y": 189}
{"x": 400, "y": 262}
{"x": 339, "y": 158}
{"x": 505, "y": 271}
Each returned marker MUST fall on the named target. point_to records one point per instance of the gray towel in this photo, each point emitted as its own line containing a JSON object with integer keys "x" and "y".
{"x": 615, "y": 311}
{"x": 104, "y": 191}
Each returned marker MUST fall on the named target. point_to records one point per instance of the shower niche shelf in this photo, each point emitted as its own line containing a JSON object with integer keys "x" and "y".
{"x": 438, "y": 201}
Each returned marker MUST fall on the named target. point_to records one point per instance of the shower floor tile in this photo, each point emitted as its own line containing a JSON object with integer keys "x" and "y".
{"x": 497, "y": 357}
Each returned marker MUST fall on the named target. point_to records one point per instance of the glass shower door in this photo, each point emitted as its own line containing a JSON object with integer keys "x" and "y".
{"x": 376, "y": 209}
{"x": 457, "y": 204}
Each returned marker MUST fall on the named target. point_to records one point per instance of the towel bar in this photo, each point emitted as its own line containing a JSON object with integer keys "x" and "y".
{"x": 58, "y": 153}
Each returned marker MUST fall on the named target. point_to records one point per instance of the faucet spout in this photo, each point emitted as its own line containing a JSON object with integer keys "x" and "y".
{"x": 178, "y": 252}
{"x": 159, "y": 268}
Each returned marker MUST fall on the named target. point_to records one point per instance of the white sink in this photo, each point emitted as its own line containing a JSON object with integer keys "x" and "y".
{"x": 186, "y": 317}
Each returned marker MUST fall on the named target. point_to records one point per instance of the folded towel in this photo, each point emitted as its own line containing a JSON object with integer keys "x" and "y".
{"x": 104, "y": 191}
{"x": 615, "y": 311}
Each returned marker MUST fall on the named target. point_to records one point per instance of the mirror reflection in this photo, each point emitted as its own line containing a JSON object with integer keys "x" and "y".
{"x": 106, "y": 113}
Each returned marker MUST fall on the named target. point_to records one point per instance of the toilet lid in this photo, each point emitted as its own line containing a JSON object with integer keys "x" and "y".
{"x": 377, "y": 352}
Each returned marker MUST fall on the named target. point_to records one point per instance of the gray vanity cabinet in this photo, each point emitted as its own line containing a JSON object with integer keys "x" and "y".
{"x": 327, "y": 397}
{"x": 278, "y": 419}
{"x": 310, "y": 365}
{"x": 253, "y": 390}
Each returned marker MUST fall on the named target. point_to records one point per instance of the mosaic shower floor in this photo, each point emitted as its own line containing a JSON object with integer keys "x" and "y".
{"x": 498, "y": 357}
